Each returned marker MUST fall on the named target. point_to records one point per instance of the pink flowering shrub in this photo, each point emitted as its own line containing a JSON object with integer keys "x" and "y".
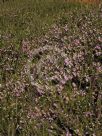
{"x": 54, "y": 88}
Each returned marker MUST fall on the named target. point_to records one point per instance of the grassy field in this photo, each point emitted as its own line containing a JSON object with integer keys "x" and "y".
{"x": 50, "y": 68}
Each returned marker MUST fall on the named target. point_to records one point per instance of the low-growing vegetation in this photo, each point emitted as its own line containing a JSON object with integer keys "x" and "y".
{"x": 50, "y": 68}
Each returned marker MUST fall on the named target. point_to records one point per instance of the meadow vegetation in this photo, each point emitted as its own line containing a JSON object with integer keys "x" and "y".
{"x": 50, "y": 68}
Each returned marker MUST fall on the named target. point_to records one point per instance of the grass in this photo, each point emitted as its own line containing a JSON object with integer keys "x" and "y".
{"x": 50, "y": 68}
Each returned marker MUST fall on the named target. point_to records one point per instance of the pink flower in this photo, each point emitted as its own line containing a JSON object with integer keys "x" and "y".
{"x": 98, "y": 53}
{"x": 65, "y": 77}
{"x": 66, "y": 61}
{"x": 76, "y": 42}
{"x": 68, "y": 134}
{"x": 98, "y": 47}
{"x": 63, "y": 81}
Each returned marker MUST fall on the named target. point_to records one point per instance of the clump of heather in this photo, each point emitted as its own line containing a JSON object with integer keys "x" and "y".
{"x": 57, "y": 88}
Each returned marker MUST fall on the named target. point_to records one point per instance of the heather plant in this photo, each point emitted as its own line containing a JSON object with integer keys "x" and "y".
{"x": 50, "y": 85}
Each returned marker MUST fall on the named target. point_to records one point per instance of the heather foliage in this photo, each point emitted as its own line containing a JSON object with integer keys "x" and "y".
{"x": 51, "y": 85}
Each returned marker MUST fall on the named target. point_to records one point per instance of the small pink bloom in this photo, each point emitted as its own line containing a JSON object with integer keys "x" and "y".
{"x": 65, "y": 77}
{"x": 98, "y": 47}
{"x": 68, "y": 134}
{"x": 76, "y": 42}
{"x": 63, "y": 81}
{"x": 66, "y": 61}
